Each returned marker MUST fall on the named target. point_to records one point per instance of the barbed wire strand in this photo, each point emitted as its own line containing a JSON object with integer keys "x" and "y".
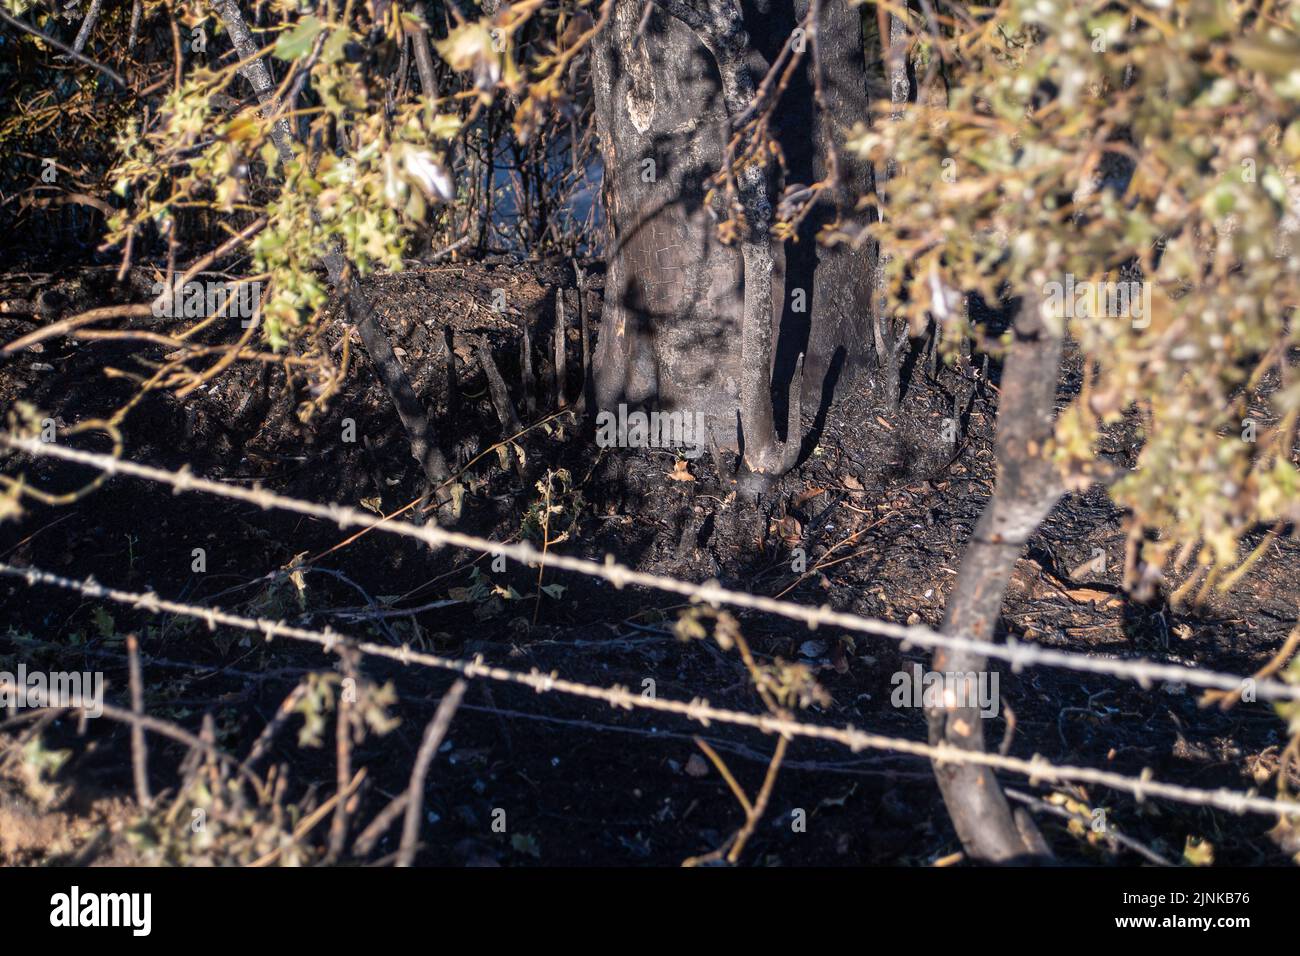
{"x": 1037, "y": 769}
{"x": 1142, "y": 671}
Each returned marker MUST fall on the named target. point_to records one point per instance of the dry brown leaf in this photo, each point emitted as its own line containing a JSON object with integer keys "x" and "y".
{"x": 806, "y": 496}
{"x": 1083, "y": 571}
{"x": 839, "y": 659}
{"x": 681, "y": 471}
{"x": 1090, "y": 595}
{"x": 789, "y": 530}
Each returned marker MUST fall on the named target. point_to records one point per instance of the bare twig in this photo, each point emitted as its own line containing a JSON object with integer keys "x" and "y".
{"x": 88, "y": 24}
{"x": 1227, "y": 699}
{"x": 310, "y": 821}
{"x": 760, "y": 803}
{"x": 63, "y": 47}
{"x": 433, "y": 737}
{"x": 64, "y": 326}
{"x": 137, "y": 11}
{"x": 139, "y": 756}
{"x": 384, "y": 819}
{"x": 560, "y": 370}
{"x": 343, "y": 757}
{"x": 179, "y": 734}
{"x": 282, "y": 715}
{"x": 1109, "y": 834}
{"x": 753, "y": 811}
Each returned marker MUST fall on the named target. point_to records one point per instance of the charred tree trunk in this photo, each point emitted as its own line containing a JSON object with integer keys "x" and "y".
{"x": 720, "y": 26}
{"x": 838, "y": 279}
{"x": 674, "y": 293}
{"x": 1027, "y": 489}
{"x": 690, "y": 323}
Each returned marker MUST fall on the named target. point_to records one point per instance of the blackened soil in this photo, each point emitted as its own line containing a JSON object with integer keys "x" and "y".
{"x": 881, "y": 507}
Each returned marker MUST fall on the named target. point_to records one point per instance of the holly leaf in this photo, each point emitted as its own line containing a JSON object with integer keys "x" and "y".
{"x": 298, "y": 41}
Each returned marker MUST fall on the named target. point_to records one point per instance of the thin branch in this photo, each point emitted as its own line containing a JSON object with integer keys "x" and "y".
{"x": 63, "y": 47}
{"x": 139, "y": 756}
{"x": 88, "y": 24}
{"x": 433, "y": 737}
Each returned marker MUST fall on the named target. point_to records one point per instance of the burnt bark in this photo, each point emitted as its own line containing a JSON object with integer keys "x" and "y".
{"x": 720, "y": 26}
{"x": 826, "y": 101}
{"x": 424, "y": 62}
{"x": 1027, "y": 489}
{"x": 691, "y": 323}
{"x": 673, "y": 297}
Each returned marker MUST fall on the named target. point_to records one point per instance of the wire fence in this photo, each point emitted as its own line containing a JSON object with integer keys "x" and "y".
{"x": 700, "y": 710}
{"x": 1143, "y": 671}
{"x": 1037, "y": 769}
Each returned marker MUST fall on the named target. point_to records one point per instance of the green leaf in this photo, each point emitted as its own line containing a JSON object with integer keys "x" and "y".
{"x": 1275, "y": 56}
{"x": 332, "y": 51}
{"x": 298, "y": 41}
{"x": 104, "y": 623}
{"x": 1198, "y": 851}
